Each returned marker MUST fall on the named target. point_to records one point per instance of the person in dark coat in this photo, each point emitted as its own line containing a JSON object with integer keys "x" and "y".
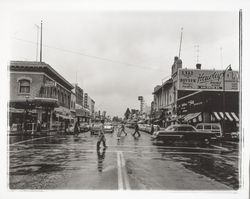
{"x": 76, "y": 128}
{"x": 152, "y": 129}
{"x": 136, "y": 130}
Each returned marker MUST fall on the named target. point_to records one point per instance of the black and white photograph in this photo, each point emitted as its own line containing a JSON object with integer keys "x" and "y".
{"x": 125, "y": 100}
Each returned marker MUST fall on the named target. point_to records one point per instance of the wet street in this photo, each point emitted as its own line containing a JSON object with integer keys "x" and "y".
{"x": 68, "y": 162}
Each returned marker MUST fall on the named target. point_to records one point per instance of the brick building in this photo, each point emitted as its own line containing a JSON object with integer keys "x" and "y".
{"x": 37, "y": 92}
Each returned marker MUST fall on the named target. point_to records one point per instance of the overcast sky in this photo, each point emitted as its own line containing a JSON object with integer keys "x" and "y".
{"x": 117, "y": 56}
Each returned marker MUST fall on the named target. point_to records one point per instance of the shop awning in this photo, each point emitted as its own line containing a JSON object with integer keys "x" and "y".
{"x": 156, "y": 121}
{"x": 67, "y": 117}
{"x": 193, "y": 116}
{"x": 231, "y": 116}
{"x": 82, "y": 113}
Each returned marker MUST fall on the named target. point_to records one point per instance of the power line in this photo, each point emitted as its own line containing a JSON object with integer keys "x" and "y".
{"x": 90, "y": 56}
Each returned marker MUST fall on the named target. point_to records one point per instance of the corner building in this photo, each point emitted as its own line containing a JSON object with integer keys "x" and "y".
{"x": 38, "y": 92}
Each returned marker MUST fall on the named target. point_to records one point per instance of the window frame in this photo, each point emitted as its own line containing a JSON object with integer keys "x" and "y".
{"x": 20, "y": 80}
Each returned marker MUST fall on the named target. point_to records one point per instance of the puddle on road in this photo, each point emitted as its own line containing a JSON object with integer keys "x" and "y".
{"x": 219, "y": 169}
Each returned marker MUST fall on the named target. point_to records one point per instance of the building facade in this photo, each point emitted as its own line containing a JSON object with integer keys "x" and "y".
{"x": 37, "y": 93}
{"x": 197, "y": 95}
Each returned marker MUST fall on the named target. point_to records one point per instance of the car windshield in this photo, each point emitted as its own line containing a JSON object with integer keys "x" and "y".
{"x": 186, "y": 128}
{"x": 180, "y": 128}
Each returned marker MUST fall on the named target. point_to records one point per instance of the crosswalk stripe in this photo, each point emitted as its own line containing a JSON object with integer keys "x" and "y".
{"x": 30, "y": 140}
{"x": 119, "y": 174}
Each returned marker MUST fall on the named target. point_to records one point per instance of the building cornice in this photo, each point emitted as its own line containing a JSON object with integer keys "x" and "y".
{"x": 29, "y": 66}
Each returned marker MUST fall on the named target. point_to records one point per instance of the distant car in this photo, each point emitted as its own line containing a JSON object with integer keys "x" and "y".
{"x": 95, "y": 128}
{"x": 108, "y": 128}
{"x": 210, "y": 127}
{"x": 70, "y": 129}
{"x": 84, "y": 127}
{"x": 183, "y": 132}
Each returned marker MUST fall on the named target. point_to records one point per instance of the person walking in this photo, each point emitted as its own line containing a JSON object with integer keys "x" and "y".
{"x": 123, "y": 129}
{"x": 38, "y": 127}
{"x": 101, "y": 137}
{"x": 136, "y": 130}
{"x": 152, "y": 129}
{"x": 76, "y": 128}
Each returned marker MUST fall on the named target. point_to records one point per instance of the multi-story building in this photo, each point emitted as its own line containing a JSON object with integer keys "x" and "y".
{"x": 86, "y": 101}
{"x": 92, "y": 108}
{"x": 89, "y": 104}
{"x": 79, "y": 94}
{"x": 37, "y": 92}
{"x": 197, "y": 95}
{"x": 81, "y": 112}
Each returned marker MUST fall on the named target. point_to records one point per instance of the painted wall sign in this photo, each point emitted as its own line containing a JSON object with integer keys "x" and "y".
{"x": 193, "y": 79}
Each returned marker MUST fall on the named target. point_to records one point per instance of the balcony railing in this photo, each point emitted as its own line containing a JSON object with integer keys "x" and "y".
{"x": 42, "y": 95}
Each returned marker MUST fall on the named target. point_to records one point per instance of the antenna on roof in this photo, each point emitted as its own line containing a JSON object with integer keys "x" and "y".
{"x": 197, "y": 51}
{"x": 180, "y": 44}
{"x": 41, "y": 41}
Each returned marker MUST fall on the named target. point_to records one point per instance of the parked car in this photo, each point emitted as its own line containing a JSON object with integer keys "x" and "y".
{"x": 108, "y": 128}
{"x": 233, "y": 136}
{"x": 210, "y": 127}
{"x": 183, "y": 132}
{"x": 95, "y": 128}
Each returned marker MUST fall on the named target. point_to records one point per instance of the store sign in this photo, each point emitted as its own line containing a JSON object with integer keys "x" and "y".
{"x": 193, "y": 79}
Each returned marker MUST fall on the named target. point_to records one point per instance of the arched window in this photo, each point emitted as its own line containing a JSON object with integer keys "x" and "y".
{"x": 24, "y": 86}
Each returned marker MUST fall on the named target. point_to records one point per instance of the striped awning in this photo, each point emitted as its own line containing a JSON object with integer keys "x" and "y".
{"x": 231, "y": 116}
{"x": 193, "y": 116}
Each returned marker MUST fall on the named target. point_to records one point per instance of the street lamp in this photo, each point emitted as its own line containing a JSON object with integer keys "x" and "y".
{"x": 228, "y": 68}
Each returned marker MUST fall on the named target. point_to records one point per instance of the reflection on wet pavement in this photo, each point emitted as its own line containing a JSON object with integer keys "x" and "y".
{"x": 101, "y": 157}
{"x": 56, "y": 162}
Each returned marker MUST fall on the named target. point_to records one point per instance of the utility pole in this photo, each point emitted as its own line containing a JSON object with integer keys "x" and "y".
{"x": 41, "y": 41}
{"x": 180, "y": 44}
{"x": 37, "y": 38}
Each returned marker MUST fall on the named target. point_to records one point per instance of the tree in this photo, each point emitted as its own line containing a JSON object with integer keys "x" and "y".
{"x": 127, "y": 113}
{"x": 115, "y": 119}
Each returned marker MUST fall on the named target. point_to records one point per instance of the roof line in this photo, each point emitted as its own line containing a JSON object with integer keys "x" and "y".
{"x": 40, "y": 64}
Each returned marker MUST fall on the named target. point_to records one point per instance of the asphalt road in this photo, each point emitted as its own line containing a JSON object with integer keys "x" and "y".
{"x": 68, "y": 162}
